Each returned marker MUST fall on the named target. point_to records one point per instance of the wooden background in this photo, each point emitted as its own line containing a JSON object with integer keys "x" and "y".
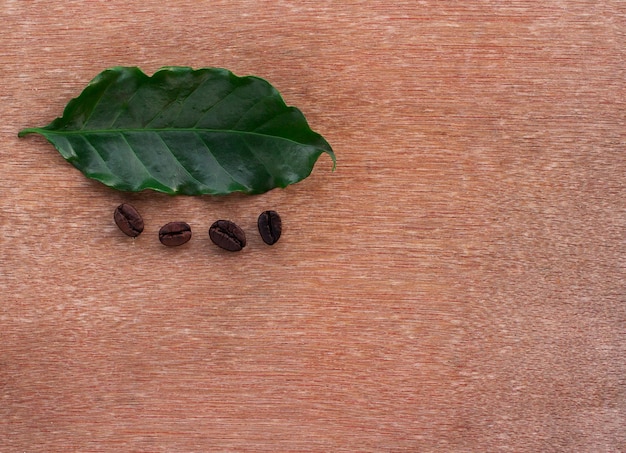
{"x": 456, "y": 285}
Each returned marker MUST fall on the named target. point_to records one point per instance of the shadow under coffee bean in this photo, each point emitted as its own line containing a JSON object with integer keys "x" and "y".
{"x": 227, "y": 235}
{"x": 174, "y": 234}
{"x": 128, "y": 220}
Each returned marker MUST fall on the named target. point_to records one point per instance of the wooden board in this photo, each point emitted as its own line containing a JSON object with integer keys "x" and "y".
{"x": 457, "y": 284}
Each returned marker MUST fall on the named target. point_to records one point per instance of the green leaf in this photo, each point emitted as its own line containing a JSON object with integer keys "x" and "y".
{"x": 185, "y": 131}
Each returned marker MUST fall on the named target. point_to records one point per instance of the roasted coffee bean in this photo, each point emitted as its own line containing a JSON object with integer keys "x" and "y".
{"x": 227, "y": 235}
{"x": 174, "y": 233}
{"x": 128, "y": 220}
{"x": 270, "y": 227}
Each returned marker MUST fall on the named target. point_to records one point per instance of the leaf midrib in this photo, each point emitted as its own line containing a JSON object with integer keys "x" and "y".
{"x": 44, "y": 131}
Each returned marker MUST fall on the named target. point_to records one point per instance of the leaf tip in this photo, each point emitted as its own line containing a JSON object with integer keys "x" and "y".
{"x": 334, "y": 158}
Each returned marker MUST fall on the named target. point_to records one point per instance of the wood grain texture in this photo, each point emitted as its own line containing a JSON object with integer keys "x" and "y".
{"x": 456, "y": 285}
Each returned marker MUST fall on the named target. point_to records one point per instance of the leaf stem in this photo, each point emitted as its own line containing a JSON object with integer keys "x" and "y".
{"x": 29, "y": 130}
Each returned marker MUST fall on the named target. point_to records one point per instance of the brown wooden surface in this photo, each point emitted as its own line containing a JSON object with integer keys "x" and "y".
{"x": 456, "y": 285}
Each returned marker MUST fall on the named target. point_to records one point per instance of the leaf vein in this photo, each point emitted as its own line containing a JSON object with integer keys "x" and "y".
{"x": 234, "y": 127}
{"x": 179, "y": 162}
{"x": 132, "y": 151}
{"x": 182, "y": 102}
{"x": 256, "y": 156}
{"x": 97, "y": 103}
{"x": 95, "y": 148}
{"x": 213, "y": 106}
{"x": 219, "y": 163}
{"x": 124, "y": 109}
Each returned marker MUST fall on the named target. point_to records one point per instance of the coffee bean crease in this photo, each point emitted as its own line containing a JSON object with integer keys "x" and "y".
{"x": 227, "y": 235}
{"x": 270, "y": 227}
{"x": 174, "y": 234}
{"x": 128, "y": 220}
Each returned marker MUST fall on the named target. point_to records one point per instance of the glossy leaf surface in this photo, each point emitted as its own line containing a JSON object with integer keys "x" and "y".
{"x": 185, "y": 131}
